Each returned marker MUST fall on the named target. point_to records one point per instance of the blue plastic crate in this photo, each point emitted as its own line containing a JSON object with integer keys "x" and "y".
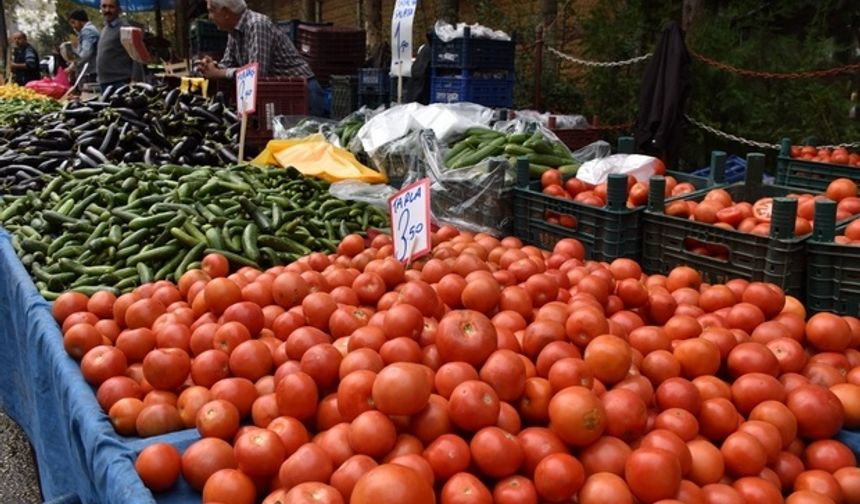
{"x": 473, "y": 53}
{"x": 373, "y": 80}
{"x": 483, "y": 89}
{"x": 736, "y": 170}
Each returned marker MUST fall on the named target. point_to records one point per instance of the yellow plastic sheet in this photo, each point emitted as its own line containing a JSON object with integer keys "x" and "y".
{"x": 314, "y": 157}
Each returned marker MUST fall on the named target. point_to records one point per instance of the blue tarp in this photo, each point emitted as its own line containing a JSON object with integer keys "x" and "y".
{"x": 79, "y": 455}
{"x": 132, "y": 5}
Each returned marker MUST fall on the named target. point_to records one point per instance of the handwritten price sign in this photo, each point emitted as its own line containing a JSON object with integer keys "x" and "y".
{"x": 401, "y": 37}
{"x": 246, "y": 88}
{"x": 409, "y": 210}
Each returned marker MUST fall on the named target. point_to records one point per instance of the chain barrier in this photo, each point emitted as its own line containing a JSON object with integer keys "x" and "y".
{"x": 759, "y": 145}
{"x": 729, "y": 136}
{"x": 599, "y": 64}
{"x": 774, "y": 75}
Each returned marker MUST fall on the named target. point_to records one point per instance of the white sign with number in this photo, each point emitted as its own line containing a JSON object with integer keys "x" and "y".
{"x": 409, "y": 210}
{"x": 401, "y": 37}
{"x": 246, "y": 88}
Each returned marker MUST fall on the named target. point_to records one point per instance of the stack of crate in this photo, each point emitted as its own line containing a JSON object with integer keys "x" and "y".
{"x": 331, "y": 50}
{"x": 373, "y": 87}
{"x": 477, "y": 70}
{"x": 344, "y": 95}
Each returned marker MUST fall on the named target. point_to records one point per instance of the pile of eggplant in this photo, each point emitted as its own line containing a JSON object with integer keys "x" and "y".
{"x": 129, "y": 123}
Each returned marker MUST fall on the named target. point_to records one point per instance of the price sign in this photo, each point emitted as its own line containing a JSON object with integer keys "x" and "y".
{"x": 246, "y": 88}
{"x": 401, "y": 37}
{"x": 409, "y": 210}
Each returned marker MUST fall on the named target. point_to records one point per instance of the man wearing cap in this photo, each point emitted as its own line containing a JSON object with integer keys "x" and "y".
{"x": 25, "y": 60}
{"x": 253, "y": 38}
{"x": 115, "y": 66}
{"x": 88, "y": 39}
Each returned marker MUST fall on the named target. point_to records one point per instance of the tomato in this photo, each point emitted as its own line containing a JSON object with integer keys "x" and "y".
{"x": 819, "y": 482}
{"x": 156, "y": 419}
{"x": 229, "y": 485}
{"x": 392, "y": 483}
{"x": 473, "y": 405}
{"x": 763, "y": 208}
{"x": 506, "y": 373}
{"x": 349, "y": 472}
{"x": 841, "y": 188}
{"x": 495, "y": 452}
{"x": 818, "y": 411}
{"x": 218, "y": 418}
{"x": 604, "y": 487}
{"x": 577, "y": 415}
{"x": 259, "y": 452}
{"x": 626, "y": 414}
{"x": 515, "y": 490}
{"x": 322, "y": 363}
{"x": 467, "y": 336}
{"x": 101, "y": 363}
{"x": 828, "y": 332}
{"x": 309, "y": 463}
{"x": 653, "y": 474}
{"x": 158, "y": 465}
{"x": 311, "y": 492}
{"x": 829, "y": 455}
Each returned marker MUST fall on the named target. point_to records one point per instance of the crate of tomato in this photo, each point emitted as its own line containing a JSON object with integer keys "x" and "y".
{"x": 812, "y": 167}
{"x": 606, "y": 217}
{"x": 746, "y": 230}
{"x": 833, "y": 262}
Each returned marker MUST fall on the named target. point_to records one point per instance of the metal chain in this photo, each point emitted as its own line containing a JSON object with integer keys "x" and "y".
{"x": 600, "y": 64}
{"x": 729, "y": 136}
{"x": 774, "y": 75}
{"x": 760, "y": 145}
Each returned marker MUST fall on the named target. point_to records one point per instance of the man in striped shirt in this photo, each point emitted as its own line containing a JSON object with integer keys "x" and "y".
{"x": 253, "y": 38}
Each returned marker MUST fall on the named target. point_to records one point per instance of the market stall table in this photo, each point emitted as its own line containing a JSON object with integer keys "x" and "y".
{"x": 80, "y": 457}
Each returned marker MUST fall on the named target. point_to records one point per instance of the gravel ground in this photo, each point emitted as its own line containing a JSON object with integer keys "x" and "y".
{"x": 19, "y": 478}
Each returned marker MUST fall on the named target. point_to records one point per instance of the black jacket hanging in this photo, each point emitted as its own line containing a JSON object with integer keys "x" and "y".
{"x": 664, "y": 92}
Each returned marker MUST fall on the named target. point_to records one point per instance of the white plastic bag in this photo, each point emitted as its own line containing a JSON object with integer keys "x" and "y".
{"x": 447, "y": 32}
{"x": 597, "y": 171}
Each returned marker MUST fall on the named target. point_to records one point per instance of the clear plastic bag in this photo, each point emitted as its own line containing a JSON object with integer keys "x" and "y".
{"x": 474, "y": 198}
{"x": 286, "y": 127}
{"x": 355, "y": 190}
{"x": 571, "y": 121}
{"x": 638, "y": 165}
{"x": 594, "y": 150}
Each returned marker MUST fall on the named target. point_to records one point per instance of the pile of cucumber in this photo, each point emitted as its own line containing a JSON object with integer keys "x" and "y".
{"x": 541, "y": 152}
{"x": 117, "y": 226}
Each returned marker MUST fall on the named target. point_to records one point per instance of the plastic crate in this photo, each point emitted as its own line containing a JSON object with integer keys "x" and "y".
{"x": 344, "y": 95}
{"x": 473, "y": 53}
{"x": 810, "y": 174}
{"x": 607, "y": 233}
{"x": 373, "y": 80}
{"x": 276, "y": 96}
{"x": 332, "y": 43}
{"x": 468, "y": 86}
{"x": 323, "y": 69}
{"x": 833, "y": 270}
{"x": 292, "y": 27}
{"x": 735, "y": 170}
{"x": 779, "y": 258}
{"x": 392, "y": 88}
{"x": 373, "y": 101}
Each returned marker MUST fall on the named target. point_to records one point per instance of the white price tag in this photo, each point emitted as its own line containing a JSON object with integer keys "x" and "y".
{"x": 409, "y": 210}
{"x": 246, "y": 88}
{"x": 401, "y": 37}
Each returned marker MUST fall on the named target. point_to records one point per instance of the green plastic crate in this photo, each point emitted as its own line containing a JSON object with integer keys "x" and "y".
{"x": 778, "y": 258}
{"x": 607, "y": 233}
{"x": 810, "y": 174}
{"x": 833, "y": 270}
{"x": 344, "y": 95}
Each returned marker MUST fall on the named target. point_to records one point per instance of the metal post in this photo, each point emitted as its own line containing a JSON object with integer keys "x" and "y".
{"x": 538, "y": 66}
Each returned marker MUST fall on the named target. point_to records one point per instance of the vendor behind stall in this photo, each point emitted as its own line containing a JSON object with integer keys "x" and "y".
{"x": 253, "y": 38}
{"x": 88, "y": 39}
{"x": 25, "y": 60}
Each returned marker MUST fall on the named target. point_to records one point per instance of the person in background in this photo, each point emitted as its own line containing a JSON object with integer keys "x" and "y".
{"x": 88, "y": 39}
{"x": 25, "y": 60}
{"x": 253, "y": 38}
{"x": 114, "y": 65}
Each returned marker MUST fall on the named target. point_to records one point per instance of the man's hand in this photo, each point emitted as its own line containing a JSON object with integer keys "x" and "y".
{"x": 209, "y": 69}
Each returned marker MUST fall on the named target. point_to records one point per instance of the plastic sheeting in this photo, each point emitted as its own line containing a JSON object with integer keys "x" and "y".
{"x": 80, "y": 457}
{"x": 132, "y": 5}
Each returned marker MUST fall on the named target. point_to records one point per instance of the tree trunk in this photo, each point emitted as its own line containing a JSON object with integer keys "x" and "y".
{"x": 180, "y": 33}
{"x": 449, "y": 10}
{"x": 691, "y": 11}
{"x": 549, "y": 9}
{"x": 373, "y": 24}
{"x": 309, "y": 11}
{"x": 4, "y": 42}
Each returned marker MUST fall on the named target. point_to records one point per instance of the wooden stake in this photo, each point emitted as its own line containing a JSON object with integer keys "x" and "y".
{"x": 242, "y": 129}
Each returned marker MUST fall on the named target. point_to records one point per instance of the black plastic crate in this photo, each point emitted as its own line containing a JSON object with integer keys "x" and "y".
{"x": 292, "y": 27}
{"x": 373, "y": 101}
{"x": 491, "y": 89}
{"x": 810, "y": 174}
{"x": 473, "y": 53}
{"x": 779, "y": 258}
{"x": 344, "y": 95}
{"x": 608, "y": 233}
{"x": 832, "y": 269}
{"x": 323, "y": 69}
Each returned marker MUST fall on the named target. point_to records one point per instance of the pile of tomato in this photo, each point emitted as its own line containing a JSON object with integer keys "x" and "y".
{"x": 839, "y": 155}
{"x": 488, "y": 371}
